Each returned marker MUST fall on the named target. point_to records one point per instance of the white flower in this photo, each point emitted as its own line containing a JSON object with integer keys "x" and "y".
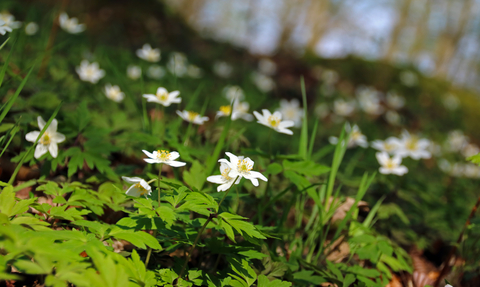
{"x": 470, "y": 150}
{"x": 274, "y": 121}
{"x": 391, "y": 165}
{"x": 134, "y": 72}
{"x": 413, "y": 147}
{"x": 356, "y": 137}
{"x": 451, "y": 102}
{"x": 448, "y": 285}
{"x": 242, "y": 167}
{"x": 329, "y": 77}
{"x": 390, "y": 145}
{"x": 409, "y": 78}
{"x": 267, "y": 67}
{"x": 343, "y": 108}
{"x": 369, "y": 100}
{"x": 395, "y": 101}
{"x": 48, "y": 141}
{"x": 163, "y": 97}
{"x": 139, "y": 187}
{"x": 31, "y": 28}
{"x": 322, "y": 110}
{"x": 114, "y": 93}
{"x": 192, "y": 117}
{"x": 233, "y": 93}
{"x": 292, "y": 111}
{"x": 9, "y": 21}
{"x": 70, "y": 24}
{"x": 264, "y": 83}
{"x": 163, "y": 156}
{"x": 222, "y": 69}
{"x": 148, "y": 54}
{"x": 4, "y": 28}
{"x": 456, "y": 141}
{"x": 156, "y": 72}
{"x": 240, "y": 110}
{"x": 90, "y": 72}
{"x": 393, "y": 118}
{"x": 224, "y": 179}
{"x": 177, "y": 64}
{"x": 194, "y": 72}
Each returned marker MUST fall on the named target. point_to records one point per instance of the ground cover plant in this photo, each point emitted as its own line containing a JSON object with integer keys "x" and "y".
{"x": 138, "y": 165}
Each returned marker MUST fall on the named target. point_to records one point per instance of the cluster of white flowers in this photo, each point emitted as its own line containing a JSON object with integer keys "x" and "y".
{"x": 222, "y": 69}
{"x": 235, "y": 168}
{"x": 458, "y": 143}
{"x": 356, "y": 137}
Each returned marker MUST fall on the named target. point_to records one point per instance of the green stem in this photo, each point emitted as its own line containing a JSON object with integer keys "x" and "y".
{"x": 149, "y": 252}
{"x": 202, "y": 229}
{"x": 187, "y": 134}
{"x": 158, "y": 183}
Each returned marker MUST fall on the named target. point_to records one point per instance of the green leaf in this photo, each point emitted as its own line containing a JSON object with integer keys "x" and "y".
{"x": 475, "y": 158}
{"x": 273, "y": 169}
{"x": 264, "y": 282}
{"x": 244, "y": 270}
{"x": 306, "y": 277}
{"x": 303, "y": 146}
{"x": 44, "y": 100}
{"x": 307, "y": 168}
{"x": 349, "y": 279}
{"x": 195, "y": 176}
{"x": 33, "y": 222}
{"x": 241, "y": 226}
{"x": 199, "y": 203}
{"x": 167, "y": 214}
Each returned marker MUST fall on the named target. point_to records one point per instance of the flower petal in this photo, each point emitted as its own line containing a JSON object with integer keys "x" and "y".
{"x": 32, "y": 136}
{"x": 131, "y": 179}
{"x": 53, "y": 149}
{"x": 175, "y": 163}
{"x": 40, "y": 150}
{"x": 147, "y": 153}
{"x": 41, "y": 122}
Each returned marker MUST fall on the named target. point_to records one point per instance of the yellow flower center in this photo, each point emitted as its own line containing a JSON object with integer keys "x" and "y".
{"x": 142, "y": 190}
{"x": 243, "y": 166}
{"x": 46, "y": 139}
{"x": 388, "y": 147}
{"x": 390, "y": 164}
{"x": 163, "y": 155}
{"x": 356, "y": 135}
{"x": 226, "y": 110}
{"x": 412, "y": 144}
{"x": 225, "y": 173}
{"x": 163, "y": 96}
{"x": 273, "y": 121}
{"x": 192, "y": 116}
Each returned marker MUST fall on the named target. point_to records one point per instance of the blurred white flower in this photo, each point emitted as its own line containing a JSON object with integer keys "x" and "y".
{"x": 291, "y": 111}
{"x": 233, "y": 93}
{"x": 148, "y": 54}
{"x": 356, "y": 137}
{"x": 369, "y": 100}
{"x": 329, "y": 77}
{"x": 114, "y": 93}
{"x": 274, "y": 121}
{"x": 134, "y": 72}
{"x": 9, "y": 21}
{"x": 155, "y": 72}
{"x": 194, "y": 72}
{"x": 471, "y": 170}
{"x": 264, "y": 83}
{"x": 222, "y": 69}
{"x": 390, "y": 165}
{"x": 31, "y": 28}
{"x": 89, "y": 72}
{"x": 395, "y": 101}
{"x": 139, "y": 187}
{"x": 267, "y": 67}
{"x": 390, "y": 145}
{"x": 393, "y": 118}
{"x": 48, "y": 141}
{"x": 163, "y": 97}
{"x": 343, "y": 108}
{"x": 470, "y": 150}
{"x": 456, "y": 141}
{"x": 192, "y": 117}
{"x": 409, "y": 78}
{"x": 242, "y": 167}
{"x": 451, "y": 102}
{"x": 4, "y": 28}
{"x": 434, "y": 149}
{"x": 444, "y": 165}
{"x": 322, "y": 110}
{"x": 240, "y": 110}
{"x": 163, "y": 156}
{"x": 178, "y": 64}
{"x": 70, "y": 25}
{"x": 223, "y": 179}
{"x": 413, "y": 147}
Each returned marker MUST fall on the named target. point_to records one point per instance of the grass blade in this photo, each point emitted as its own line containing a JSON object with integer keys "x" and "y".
{"x": 302, "y": 149}
{"x": 4, "y": 43}
{"x": 17, "y": 169}
{"x": 7, "y": 60}
{"x": 12, "y": 133}
{"x": 10, "y": 102}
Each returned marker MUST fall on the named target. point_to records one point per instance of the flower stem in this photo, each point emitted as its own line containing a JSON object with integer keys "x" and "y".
{"x": 187, "y": 134}
{"x": 202, "y": 229}
{"x": 158, "y": 183}
{"x": 149, "y": 252}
